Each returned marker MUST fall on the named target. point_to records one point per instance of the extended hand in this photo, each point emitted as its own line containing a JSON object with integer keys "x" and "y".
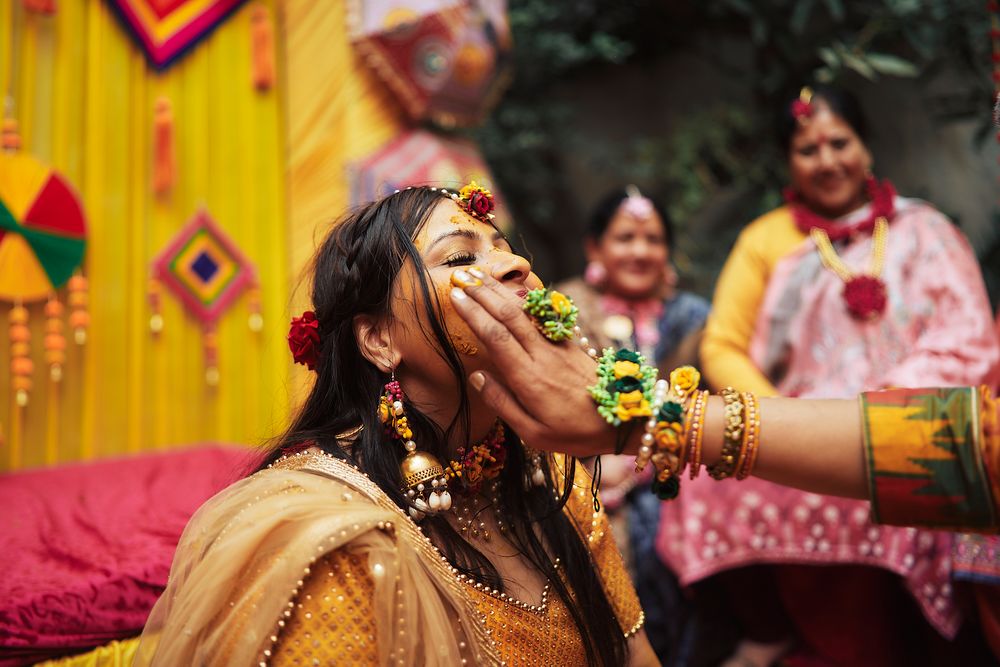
{"x": 542, "y": 388}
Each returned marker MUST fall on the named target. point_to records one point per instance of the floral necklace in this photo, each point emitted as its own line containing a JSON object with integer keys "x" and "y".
{"x": 478, "y": 463}
{"x": 864, "y": 293}
{"x": 475, "y": 467}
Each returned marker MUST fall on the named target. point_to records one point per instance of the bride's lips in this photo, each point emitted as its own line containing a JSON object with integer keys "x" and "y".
{"x": 521, "y": 293}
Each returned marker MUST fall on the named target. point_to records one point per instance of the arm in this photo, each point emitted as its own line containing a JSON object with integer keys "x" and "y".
{"x": 539, "y": 391}
{"x": 726, "y": 343}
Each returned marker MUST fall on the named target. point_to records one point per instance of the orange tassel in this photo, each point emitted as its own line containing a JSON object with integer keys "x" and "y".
{"x": 11, "y": 140}
{"x": 21, "y": 366}
{"x": 79, "y": 318}
{"x": 164, "y": 165}
{"x": 55, "y": 341}
{"x": 262, "y": 40}
{"x": 210, "y": 340}
{"x": 156, "y": 314}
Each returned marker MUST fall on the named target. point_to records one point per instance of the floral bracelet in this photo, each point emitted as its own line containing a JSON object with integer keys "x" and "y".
{"x": 624, "y": 386}
{"x": 665, "y": 440}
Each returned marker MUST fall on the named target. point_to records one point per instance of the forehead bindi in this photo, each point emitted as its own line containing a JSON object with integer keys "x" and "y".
{"x": 823, "y": 127}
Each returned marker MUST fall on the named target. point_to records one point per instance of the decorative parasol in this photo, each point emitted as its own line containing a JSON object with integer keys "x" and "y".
{"x": 419, "y": 157}
{"x": 42, "y": 241}
{"x": 42, "y": 229}
{"x": 445, "y": 60}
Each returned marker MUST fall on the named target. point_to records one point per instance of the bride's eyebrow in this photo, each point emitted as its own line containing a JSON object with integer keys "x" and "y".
{"x": 464, "y": 232}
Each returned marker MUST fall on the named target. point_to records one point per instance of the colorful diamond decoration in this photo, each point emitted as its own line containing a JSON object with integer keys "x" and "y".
{"x": 165, "y": 29}
{"x": 204, "y": 268}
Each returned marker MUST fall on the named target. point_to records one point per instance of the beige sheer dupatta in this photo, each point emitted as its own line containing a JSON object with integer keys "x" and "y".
{"x": 245, "y": 553}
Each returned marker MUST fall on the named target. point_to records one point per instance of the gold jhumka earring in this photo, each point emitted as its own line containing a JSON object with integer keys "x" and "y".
{"x": 424, "y": 481}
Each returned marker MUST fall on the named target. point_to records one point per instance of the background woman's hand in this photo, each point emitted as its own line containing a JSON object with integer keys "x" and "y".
{"x": 541, "y": 387}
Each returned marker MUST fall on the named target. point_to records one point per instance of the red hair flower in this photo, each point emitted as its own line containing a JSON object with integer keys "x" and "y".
{"x": 802, "y": 108}
{"x": 481, "y": 203}
{"x": 303, "y": 339}
{"x": 477, "y": 200}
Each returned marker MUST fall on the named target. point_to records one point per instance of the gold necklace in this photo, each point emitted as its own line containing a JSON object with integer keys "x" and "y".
{"x": 467, "y": 514}
{"x": 864, "y": 293}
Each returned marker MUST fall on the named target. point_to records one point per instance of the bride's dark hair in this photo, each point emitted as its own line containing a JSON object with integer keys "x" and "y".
{"x": 353, "y": 274}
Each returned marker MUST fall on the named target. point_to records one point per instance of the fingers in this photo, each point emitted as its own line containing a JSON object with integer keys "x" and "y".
{"x": 504, "y": 349}
{"x": 496, "y": 396}
{"x": 506, "y": 308}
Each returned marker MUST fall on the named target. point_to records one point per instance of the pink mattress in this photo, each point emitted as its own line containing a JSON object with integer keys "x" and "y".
{"x": 85, "y": 548}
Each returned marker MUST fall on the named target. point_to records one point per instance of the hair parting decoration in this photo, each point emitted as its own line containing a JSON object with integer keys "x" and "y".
{"x": 804, "y": 104}
{"x": 353, "y": 272}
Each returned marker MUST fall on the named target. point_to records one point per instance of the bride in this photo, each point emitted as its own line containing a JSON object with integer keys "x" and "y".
{"x": 399, "y": 520}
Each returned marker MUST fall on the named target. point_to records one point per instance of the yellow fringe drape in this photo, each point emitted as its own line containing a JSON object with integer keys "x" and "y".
{"x": 84, "y": 98}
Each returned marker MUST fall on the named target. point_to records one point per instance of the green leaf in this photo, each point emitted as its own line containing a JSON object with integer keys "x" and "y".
{"x": 859, "y": 65}
{"x": 891, "y": 65}
{"x": 800, "y": 16}
{"x": 829, "y": 56}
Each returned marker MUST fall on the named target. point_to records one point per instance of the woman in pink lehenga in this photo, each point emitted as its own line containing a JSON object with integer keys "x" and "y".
{"x": 847, "y": 288}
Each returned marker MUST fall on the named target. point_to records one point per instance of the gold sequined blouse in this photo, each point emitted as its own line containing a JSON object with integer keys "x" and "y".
{"x": 333, "y": 616}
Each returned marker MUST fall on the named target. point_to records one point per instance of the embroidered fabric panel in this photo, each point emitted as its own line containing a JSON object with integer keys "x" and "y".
{"x": 333, "y": 621}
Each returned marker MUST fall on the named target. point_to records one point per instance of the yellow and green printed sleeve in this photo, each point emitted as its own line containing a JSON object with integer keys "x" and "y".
{"x": 932, "y": 457}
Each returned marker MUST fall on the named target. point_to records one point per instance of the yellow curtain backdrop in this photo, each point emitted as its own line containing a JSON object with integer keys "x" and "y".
{"x": 84, "y": 98}
{"x": 338, "y": 112}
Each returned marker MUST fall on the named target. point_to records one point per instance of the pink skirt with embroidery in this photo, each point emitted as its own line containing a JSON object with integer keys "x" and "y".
{"x": 715, "y": 526}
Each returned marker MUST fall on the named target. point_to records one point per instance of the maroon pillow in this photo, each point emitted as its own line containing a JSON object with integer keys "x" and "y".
{"x": 85, "y": 549}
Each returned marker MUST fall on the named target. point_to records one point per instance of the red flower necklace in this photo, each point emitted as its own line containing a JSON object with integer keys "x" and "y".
{"x": 864, "y": 293}
{"x": 478, "y": 463}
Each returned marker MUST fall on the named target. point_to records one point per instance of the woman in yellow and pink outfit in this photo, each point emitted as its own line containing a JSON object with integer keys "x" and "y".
{"x": 846, "y": 289}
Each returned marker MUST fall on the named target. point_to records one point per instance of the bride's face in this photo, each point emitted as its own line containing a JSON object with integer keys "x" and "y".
{"x": 450, "y": 240}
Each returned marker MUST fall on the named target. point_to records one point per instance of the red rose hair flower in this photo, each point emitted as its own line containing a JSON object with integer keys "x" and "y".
{"x": 802, "y": 108}
{"x": 303, "y": 339}
{"x": 477, "y": 200}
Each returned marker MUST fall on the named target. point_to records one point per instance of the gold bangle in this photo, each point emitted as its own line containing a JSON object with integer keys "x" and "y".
{"x": 732, "y": 436}
{"x": 751, "y": 437}
{"x": 696, "y": 432}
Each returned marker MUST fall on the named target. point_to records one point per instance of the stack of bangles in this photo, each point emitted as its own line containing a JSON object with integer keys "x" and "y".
{"x": 674, "y": 411}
